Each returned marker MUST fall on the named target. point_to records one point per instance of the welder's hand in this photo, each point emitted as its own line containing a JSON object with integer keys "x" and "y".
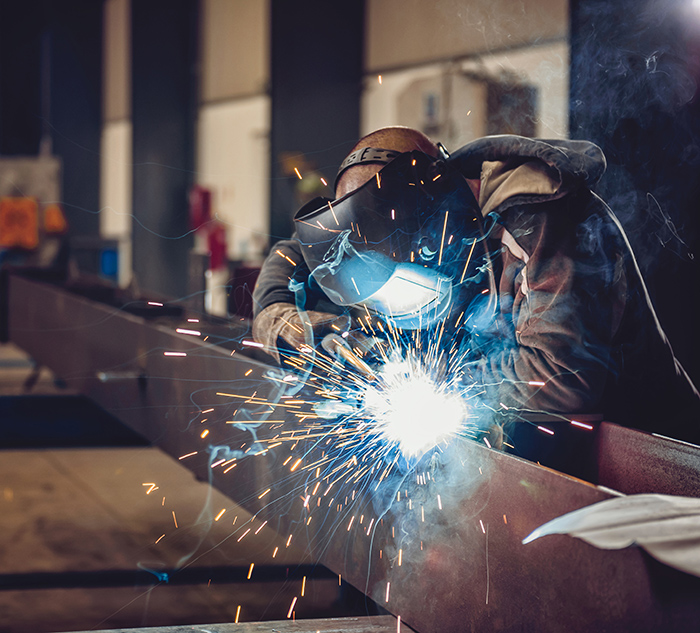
{"x": 372, "y": 349}
{"x": 282, "y": 321}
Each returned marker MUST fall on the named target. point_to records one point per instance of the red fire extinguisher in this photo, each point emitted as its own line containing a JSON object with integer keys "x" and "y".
{"x": 200, "y": 206}
{"x": 216, "y": 238}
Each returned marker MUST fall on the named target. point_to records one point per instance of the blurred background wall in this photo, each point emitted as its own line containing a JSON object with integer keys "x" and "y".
{"x": 181, "y": 125}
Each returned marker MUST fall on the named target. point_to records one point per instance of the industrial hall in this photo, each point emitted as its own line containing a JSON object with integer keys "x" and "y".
{"x": 360, "y": 316}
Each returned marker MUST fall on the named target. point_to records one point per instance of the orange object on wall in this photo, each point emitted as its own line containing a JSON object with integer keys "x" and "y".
{"x": 54, "y": 220}
{"x": 19, "y": 223}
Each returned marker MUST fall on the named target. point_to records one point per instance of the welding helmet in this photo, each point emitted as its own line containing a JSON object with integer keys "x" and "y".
{"x": 397, "y": 244}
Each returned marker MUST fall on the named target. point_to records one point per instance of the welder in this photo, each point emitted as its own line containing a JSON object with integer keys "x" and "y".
{"x": 506, "y": 230}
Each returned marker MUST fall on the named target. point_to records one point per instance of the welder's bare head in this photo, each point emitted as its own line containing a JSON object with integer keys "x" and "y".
{"x": 397, "y": 138}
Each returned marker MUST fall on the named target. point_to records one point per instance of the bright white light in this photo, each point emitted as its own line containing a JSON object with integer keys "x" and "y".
{"x": 410, "y": 410}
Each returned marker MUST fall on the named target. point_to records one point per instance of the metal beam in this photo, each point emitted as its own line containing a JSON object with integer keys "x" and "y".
{"x": 446, "y": 564}
{"x": 375, "y": 624}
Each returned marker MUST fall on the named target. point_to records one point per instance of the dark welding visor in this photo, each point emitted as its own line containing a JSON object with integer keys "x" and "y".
{"x": 394, "y": 244}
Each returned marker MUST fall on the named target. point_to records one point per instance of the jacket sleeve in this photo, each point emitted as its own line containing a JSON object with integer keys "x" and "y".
{"x": 284, "y": 261}
{"x": 548, "y": 346}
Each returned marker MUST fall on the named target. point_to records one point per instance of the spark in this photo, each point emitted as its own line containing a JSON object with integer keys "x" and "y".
{"x": 159, "y": 539}
{"x": 442, "y": 241}
{"x": 281, "y": 254}
{"x": 238, "y": 613}
{"x": 174, "y": 354}
{"x": 155, "y": 303}
{"x": 388, "y": 587}
{"x": 546, "y": 430}
{"x": 174, "y": 519}
{"x": 190, "y": 332}
{"x": 218, "y": 516}
{"x": 379, "y": 79}
{"x": 297, "y": 173}
{"x": 367, "y": 430}
{"x": 188, "y": 455}
{"x": 583, "y": 425}
{"x": 242, "y": 536}
{"x": 291, "y": 607}
{"x": 469, "y": 257}
{"x": 250, "y": 571}
{"x": 303, "y": 586}
{"x": 330, "y": 206}
{"x": 536, "y": 383}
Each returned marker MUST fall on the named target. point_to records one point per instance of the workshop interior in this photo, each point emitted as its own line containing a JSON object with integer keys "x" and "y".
{"x": 161, "y": 470}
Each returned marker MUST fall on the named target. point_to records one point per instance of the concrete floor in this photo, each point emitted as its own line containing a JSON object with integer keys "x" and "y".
{"x": 78, "y": 525}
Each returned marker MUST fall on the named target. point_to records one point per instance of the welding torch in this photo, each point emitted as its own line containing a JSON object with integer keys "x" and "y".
{"x": 338, "y": 347}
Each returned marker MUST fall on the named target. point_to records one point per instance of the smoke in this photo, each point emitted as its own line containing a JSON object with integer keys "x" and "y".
{"x": 634, "y": 82}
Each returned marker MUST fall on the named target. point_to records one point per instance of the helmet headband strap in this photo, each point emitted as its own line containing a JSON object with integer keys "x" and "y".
{"x": 366, "y": 156}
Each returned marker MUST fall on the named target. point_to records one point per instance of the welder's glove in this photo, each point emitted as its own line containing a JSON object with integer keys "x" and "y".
{"x": 280, "y": 325}
{"x": 372, "y": 349}
{"x": 495, "y": 436}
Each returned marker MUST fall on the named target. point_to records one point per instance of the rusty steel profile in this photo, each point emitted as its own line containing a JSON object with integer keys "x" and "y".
{"x": 448, "y": 564}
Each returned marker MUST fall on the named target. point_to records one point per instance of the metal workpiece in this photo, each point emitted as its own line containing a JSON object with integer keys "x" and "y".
{"x": 634, "y": 462}
{"x": 373, "y": 624}
{"x": 439, "y": 545}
